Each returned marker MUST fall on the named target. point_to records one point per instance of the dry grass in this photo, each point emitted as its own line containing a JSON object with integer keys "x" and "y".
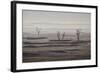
{"x": 56, "y": 53}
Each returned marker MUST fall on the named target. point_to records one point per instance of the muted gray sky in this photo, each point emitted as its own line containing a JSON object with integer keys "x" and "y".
{"x": 50, "y": 21}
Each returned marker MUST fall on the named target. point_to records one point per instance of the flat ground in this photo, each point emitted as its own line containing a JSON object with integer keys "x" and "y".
{"x": 41, "y": 54}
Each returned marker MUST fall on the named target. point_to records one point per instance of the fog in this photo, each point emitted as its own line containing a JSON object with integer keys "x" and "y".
{"x": 52, "y": 22}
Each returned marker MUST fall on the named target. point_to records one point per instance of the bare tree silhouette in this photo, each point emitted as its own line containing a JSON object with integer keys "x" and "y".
{"x": 38, "y": 31}
{"x": 78, "y": 34}
{"x": 63, "y": 35}
{"x": 58, "y": 35}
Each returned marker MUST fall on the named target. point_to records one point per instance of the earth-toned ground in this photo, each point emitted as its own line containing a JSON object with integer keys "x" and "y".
{"x": 56, "y": 53}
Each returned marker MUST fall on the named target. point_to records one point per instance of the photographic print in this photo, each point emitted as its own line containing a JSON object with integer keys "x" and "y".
{"x": 48, "y": 36}
{"x": 54, "y": 36}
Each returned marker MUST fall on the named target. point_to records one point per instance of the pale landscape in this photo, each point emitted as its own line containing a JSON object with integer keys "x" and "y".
{"x": 46, "y": 38}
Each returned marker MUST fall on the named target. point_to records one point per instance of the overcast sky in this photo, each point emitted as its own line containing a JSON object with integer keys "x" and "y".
{"x": 50, "y": 21}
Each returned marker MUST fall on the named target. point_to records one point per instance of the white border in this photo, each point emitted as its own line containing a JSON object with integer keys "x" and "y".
{"x": 37, "y": 65}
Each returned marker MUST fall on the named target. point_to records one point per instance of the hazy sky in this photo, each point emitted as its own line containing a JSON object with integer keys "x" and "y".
{"x": 50, "y": 21}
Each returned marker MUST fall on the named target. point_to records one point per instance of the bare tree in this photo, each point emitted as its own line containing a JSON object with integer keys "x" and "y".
{"x": 58, "y": 35}
{"x": 63, "y": 35}
{"x": 38, "y": 31}
{"x": 78, "y": 34}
